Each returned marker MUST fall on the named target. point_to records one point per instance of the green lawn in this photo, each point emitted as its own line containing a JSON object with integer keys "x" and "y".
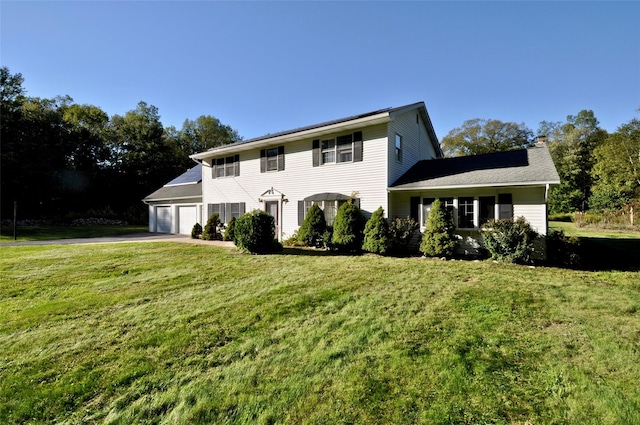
{"x": 41, "y": 233}
{"x": 604, "y": 249}
{"x": 181, "y": 333}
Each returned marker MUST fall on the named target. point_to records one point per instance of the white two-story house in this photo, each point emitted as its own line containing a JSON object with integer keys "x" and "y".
{"x": 390, "y": 158}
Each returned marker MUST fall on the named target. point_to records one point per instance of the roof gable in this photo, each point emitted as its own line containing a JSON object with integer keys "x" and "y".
{"x": 519, "y": 167}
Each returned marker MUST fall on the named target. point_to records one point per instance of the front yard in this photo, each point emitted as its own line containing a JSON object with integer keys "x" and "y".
{"x": 180, "y": 333}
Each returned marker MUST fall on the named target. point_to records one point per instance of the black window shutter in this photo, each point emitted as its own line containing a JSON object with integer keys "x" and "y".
{"x": 280, "y": 158}
{"x": 300, "y": 212}
{"x": 263, "y": 160}
{"x": 316, "y": 152}
{"x": 236, "y": 165}
{"x": 357, "y": 146}
{"x": 209, "y": 210}
{"x": 243, "y": 207}
{"x": 414, "y": 206}
{"x": 213, "y": 168}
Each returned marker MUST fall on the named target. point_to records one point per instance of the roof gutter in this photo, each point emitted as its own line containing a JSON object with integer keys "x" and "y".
{"x": 546, "y": 184}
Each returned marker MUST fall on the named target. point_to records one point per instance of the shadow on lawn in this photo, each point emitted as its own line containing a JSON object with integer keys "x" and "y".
{"x": 600, "y": 254}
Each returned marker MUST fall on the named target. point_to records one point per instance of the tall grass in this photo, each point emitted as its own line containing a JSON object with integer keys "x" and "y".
{"x": 177, "y": 333}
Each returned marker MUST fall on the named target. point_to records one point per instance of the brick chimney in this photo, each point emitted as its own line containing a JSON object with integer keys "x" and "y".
{"x": 541, "y": 141}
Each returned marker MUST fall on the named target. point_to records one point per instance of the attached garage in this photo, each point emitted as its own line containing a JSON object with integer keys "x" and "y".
{"x": 163, "y": 219}
{"x": 187, "y": 217}
{"x": 177, "y": 206}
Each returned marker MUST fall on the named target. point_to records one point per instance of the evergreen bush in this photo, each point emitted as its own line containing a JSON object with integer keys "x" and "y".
{"x": 229, "y": 233}
{"x": 401, "y": 230}
{"x": 210, "y": 231}
{"x": 438, "y": 239}
{"x": 510, "y": 240}
{"x": 255, "y": 232}
{"x": 196, "y": 231}
{"x": 348, "y": 228}
{"x": 376, "y": 234}
{"x": 313, "y": 227}
{"x": 327, "y": 237}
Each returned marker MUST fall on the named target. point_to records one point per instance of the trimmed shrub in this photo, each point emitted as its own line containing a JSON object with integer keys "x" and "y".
{"x": 327, "y": 237}
{"x": 210, "y": 231}
{"x": 230, "y": 231}
{"x": 563, "y": 251}
{"x": 348, "y": 227}
{"x": 196, "y": 231}
{"x": 313, "y": 227}
{"x": 376, "y": 233}
{"x": 255, "y": 232}
{"x": 401, "y": 230}
{"x": 510, "y": 240}
{"x": 438, "y": 239}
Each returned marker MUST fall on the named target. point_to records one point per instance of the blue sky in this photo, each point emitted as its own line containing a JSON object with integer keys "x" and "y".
{"x": 263, "y": 67}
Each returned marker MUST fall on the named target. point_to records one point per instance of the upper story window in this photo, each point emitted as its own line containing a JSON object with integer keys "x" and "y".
{"x": 398, "y": 148}
{"x": 328, "y": 151}
{"x": 272, "y": 159}
{"x": 345, "y": 148}
{"x": 225, "y": 167}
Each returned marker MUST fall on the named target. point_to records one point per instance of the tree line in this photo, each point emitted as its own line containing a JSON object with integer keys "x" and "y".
{"x": 60, "y": 158}
{"x": 598, "y": 170}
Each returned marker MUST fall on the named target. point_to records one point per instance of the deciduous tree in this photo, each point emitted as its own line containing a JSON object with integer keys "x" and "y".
{"x": 572, "y": 146}
{"x": 617, "y": 168}
{"x": 478, "y": 136}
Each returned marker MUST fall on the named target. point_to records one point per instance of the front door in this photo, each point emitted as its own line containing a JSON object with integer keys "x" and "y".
{"x": 271, "y": 207}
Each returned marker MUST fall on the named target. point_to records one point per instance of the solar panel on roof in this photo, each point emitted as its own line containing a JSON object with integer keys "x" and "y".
{"x": 192, "y": 176}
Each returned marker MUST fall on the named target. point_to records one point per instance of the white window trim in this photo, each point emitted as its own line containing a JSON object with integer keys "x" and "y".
{"x": 336, "y": 150}
{"x": 476, "y": 211}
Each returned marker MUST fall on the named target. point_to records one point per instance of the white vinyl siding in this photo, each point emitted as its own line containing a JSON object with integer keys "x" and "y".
{"x": 301, "y": 179}
{"x": 416, "y": 144}
{"x": 528, "y": 202}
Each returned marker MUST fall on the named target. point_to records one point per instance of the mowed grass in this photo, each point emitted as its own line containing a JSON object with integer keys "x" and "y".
{"x": 181, "y": 333}
{"x": 604, "y": 249}
{"x": 45, "y": 233}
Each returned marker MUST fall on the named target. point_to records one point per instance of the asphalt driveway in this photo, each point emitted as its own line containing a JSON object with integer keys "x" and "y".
{"x": 134, "y": 237}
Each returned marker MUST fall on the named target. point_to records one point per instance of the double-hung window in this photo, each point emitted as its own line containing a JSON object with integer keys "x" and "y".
{"x": 345, "y": 148}
{"x": 225, "y": 167}
{"x": 398, "y": 148}
{"x": 272, "y": 159}
{"x": 226, "y": 211}
{"x": 328, "y": 151}
{"x": 465, "y": 213}
{"x": 329, "y": 207}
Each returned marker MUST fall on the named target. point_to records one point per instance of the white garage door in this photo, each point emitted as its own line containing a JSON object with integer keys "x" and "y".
{"x": 187, "y": 217}
{"x": 163, "y": 219}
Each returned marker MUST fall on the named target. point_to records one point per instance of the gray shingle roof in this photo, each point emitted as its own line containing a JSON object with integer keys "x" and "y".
{"x": 168, "y": 193}
{"x": 520, "y": 167}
